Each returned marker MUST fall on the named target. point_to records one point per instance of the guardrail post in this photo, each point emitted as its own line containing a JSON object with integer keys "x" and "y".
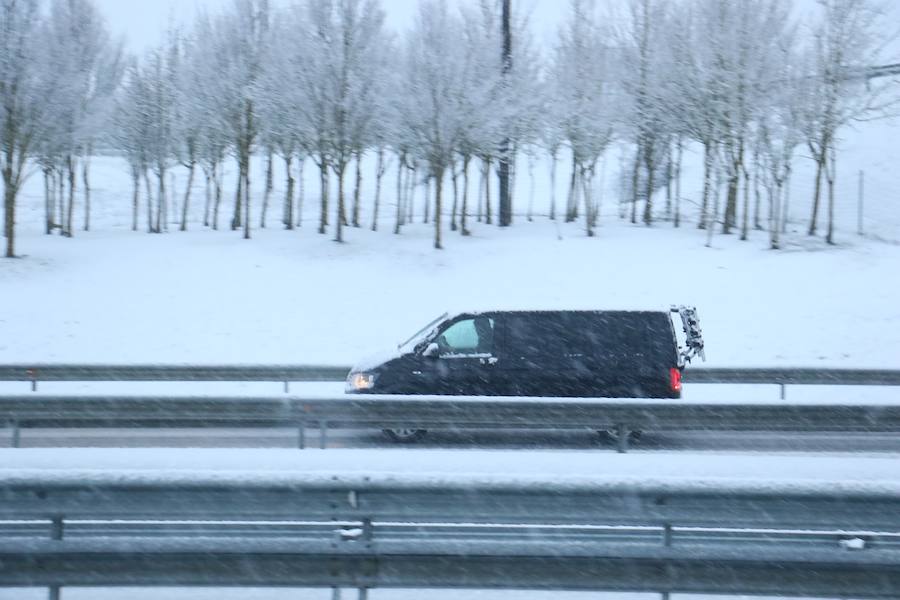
{"x": 32, "y": 375}
{"x": 622, "y": 438}
{"x": 53, "y": 592}
{"x": 335, "y": 593}
{"x": 323, "y": 433}
{"x": 301, "y": 435}
{"x": 664, "y": 595}
{"x": 667, "y": 537}
{"x": 363, "y": 593}
{"x": 783, "y": 391}
{"x": 56, "y": 529}
{"x": 287, "y": 387}
{"x": 16, "y": 434}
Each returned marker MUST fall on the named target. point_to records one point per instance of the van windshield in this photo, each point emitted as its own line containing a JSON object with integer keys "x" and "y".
{"x": 421, "y": 334}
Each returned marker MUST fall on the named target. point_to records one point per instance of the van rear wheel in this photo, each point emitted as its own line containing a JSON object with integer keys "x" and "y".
{"x": 405, "y": 436}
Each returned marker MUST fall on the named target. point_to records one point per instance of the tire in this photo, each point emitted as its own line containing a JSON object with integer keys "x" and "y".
{"x": 405, "y": 435}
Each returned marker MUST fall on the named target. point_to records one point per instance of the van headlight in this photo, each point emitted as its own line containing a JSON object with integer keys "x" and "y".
{"x": 360, "y": 381}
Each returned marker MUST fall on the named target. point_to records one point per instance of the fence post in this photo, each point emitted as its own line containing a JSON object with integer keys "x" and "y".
{"x": 32, "y": 375}
{"x": 783, "y": 390}
{"x": 16, "y": 433}
{"x": 323, "y": 433}
{"x": 301, "y": 435}
{"x": 53, "y": 592}
{"x": 335, "y": 593}
{"x": 56, "y": 528}
{"x": 622, "y": 435}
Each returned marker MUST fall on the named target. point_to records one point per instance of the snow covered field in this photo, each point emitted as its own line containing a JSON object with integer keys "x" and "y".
{"x": 112, "y": 295}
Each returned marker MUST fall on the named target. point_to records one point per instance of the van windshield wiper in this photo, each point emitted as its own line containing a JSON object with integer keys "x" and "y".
{"x": 424, "y": 330}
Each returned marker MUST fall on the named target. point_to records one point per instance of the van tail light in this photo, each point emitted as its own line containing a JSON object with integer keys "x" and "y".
{"x": 675, "y": 379}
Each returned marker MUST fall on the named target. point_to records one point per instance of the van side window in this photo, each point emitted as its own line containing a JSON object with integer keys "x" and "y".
{"x": 468, "y": 337}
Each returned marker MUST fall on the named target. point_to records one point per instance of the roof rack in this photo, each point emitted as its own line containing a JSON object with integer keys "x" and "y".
{"x": 693, "y": 336}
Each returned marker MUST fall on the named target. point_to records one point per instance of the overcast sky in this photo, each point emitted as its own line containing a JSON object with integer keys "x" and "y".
{"x": 143, "y": 22}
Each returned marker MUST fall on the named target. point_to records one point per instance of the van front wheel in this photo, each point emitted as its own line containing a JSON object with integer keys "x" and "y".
{"x": 405, "y": 436}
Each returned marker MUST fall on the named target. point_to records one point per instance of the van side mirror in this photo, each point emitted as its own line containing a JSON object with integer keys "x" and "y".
{"x": 432, "y": 350}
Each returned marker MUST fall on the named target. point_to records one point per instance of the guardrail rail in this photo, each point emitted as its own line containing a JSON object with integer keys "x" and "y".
{"x": 335, "y": 530}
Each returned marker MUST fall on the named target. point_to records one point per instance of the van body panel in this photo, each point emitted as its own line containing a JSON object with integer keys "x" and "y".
{"x": 539, "y": 353}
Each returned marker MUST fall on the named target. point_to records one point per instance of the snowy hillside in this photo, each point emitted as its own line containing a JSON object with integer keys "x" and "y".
{"x": 113, "y": 295}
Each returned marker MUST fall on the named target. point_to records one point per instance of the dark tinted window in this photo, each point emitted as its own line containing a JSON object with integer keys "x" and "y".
{"x": 597, "y": 336}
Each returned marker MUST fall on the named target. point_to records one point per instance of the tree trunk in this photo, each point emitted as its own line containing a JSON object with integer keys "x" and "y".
{"x": 707, "y": 183}
{"x": 820, "y": 166}
{"x": 71, "y": 206}
{"x": 136, "y": 197}
{"x": 270, "y": 185}
{"x": 669, "y": 169}
{"x": 246, "y": 170}
{"x": 530, "y": 186}
{"x": 571, "y": 205}
{"x": 161, "y": 200}
{"x": 731, "y": 201}
{"x": 465, "y": 197}
{"x": 10, "y": 190}
{"x": 411, "y": 193}
{"x": 61, "y": 200}
{"x": 400, "y": 170}
{"x": 774, "y": 212}
{"x": 208, "y": 194}
{"x": 85, "y": 178}
{"x": 379, "y": 174}
{"x": 323, "y": 182}
{"x": 650, "y": 165}
{"x": 217, "y": 182}
{"x": 287, "y": 211}
{"x": 48, "y": 202}
{"x": 454, "y": 176}
{"x": 438, "y": 187}
{"x": 301, "y": 189}
{"x": 745, "y": 222}
{"x": 239, "y": 195}
{"x": 339, "y": 234}
{"x": 830, "y": 175}
{"x": 488, "y": 218}
{"x": 480, "y": 212}
{"x": 635, "y": 181}
{"x": 149, "y": 201}
{"x": 427, "y": 204}
{"x": 356, "y": 189}
{"x": 677, "y": 217}
{"x": 187, "y": 196}
{"x": 553, "y": 184}
{"x": 588, "y": 208}
{"x": 785, "y": 209}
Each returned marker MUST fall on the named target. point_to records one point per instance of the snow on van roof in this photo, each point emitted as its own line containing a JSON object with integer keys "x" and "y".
{"x": 469, "y": 310}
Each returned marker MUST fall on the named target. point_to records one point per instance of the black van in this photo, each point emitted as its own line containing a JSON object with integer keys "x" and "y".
{"x": 631, "y": 354}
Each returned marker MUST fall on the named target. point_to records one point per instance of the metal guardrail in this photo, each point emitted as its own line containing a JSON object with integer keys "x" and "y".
{"x": 438, "y": 412}
{"x": 119, "y": 528}
{"x": 36, "y": 373}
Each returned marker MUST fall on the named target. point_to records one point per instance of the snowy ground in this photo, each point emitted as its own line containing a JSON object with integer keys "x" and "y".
{"x": 112, "y": 295}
